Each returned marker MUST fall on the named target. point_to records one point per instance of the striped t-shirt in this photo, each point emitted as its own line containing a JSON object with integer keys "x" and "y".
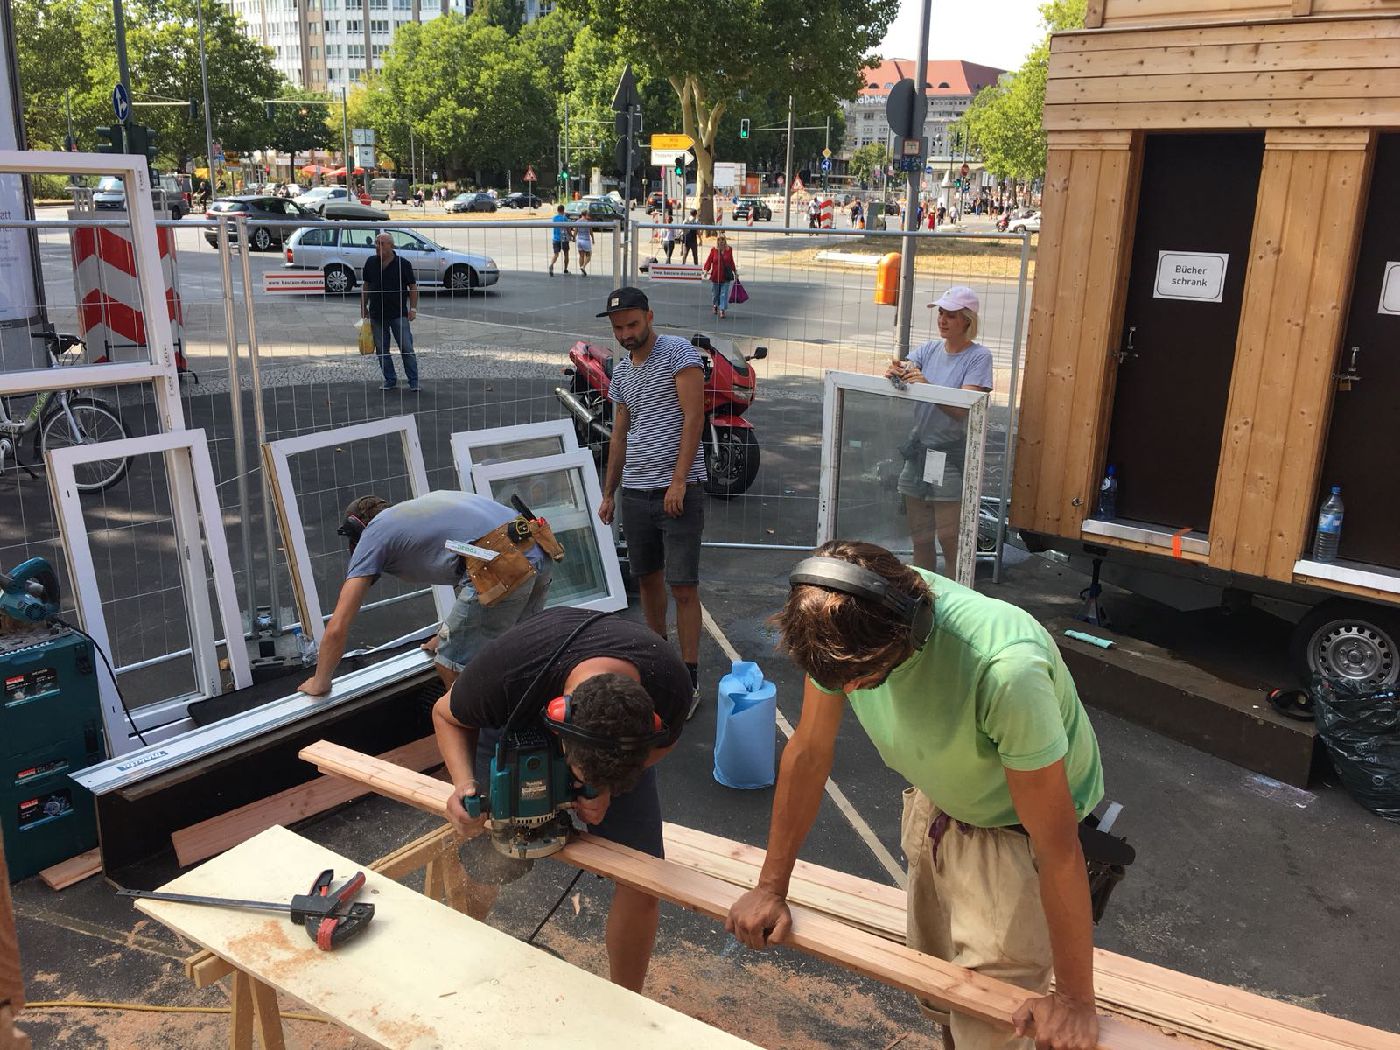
{"x": 654, "y": 413}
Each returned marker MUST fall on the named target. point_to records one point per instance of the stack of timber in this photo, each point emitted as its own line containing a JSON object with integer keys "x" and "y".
{"x": 858, "y": 924}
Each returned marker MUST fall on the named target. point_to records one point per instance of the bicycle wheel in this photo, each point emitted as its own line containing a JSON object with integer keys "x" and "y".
{"x": 94, "y": 420}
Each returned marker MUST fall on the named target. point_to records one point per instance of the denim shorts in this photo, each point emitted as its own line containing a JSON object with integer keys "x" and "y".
{"x": 470, "y": 625}
{"x": 655, "y": 540}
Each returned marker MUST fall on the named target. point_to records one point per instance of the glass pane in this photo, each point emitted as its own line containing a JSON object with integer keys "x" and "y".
{"x": 559, "y": 497}
{"x": 357, "y": 238}
{"x": 899, "y": 475}
{"x": 520, "y": 448}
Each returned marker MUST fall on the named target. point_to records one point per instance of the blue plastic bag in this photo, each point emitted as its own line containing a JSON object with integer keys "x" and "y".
{"x": 745, "y": 749}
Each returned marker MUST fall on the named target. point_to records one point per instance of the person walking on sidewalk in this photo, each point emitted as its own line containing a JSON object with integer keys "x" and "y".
{"x": 668, "y": 236}
{"x": 583, "y": 241}
{"x": 690, "y": 238}
{"x": 389, "y": 298}
{"x": 658, "y": 395}
{"x": 720, "y": 269}
{"x": 969, "y": 700}
{"x": 560, "y": 237}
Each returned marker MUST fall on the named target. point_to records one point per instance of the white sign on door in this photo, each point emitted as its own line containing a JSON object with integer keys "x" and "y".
{"x": 1199, "y": 276}
{"x": 1390, "y": 289}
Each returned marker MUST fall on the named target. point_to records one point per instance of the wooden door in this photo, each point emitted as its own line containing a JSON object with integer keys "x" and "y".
{"x": 1190, "y": 252}
{"x": 1363, "y": 444}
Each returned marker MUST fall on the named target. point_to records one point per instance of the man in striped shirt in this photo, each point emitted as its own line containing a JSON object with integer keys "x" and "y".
{"x": 658, "y": 395}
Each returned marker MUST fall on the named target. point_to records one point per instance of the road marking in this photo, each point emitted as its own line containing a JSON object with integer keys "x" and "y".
{"x": 866, "y": 833}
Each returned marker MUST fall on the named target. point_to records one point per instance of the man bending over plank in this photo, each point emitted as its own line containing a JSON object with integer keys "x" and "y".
{"x": 968, "y": 699}
{"x": 408, "y": 540}
{"x": 623, "y": 680}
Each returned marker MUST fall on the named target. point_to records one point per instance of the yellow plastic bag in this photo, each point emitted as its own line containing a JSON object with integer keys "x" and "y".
{"x": 366, "y": 336}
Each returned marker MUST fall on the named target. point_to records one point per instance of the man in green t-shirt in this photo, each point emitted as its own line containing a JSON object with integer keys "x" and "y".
{"x": 967, "y": 698}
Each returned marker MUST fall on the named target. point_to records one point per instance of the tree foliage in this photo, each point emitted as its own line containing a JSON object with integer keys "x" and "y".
{"x": 867, "y": 160}
{"x": 715, "y": 53}
{"x": 1004, "y": 120}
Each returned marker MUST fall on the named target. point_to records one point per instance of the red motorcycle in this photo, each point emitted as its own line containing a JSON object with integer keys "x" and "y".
{"x": 729, "y": 441}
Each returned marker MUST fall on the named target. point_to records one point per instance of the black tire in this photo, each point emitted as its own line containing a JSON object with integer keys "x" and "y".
{"x": 261, "y": 239}
{"x": 731, "y": 472}
{"x": 1348, "y": 639}
{"x": 340, "y": 280}
{"x": 97, "y": 421}
{"x": 460, "y": 279}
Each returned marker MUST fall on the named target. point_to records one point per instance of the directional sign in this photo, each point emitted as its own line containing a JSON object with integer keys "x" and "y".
{"x": 826, "y": 164}
{"x": 679, "y": 143}
{"x": 121, "y": 102}
{"x": 530, "y": 175}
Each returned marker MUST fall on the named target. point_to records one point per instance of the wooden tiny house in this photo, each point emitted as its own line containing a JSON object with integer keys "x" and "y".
{"x": 1216, "y": 309}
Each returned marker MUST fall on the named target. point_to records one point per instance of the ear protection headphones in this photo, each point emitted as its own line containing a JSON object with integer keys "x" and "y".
{"x": 558, "y": 716}
{"x": 837, "y": 574}
{"x": 352, "y": 528}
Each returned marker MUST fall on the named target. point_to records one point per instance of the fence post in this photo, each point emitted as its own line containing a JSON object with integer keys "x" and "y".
{"x": 240, "y": 452}
{"x": 1009, "y": 456}
{"x": 259, "y": 417}
{"x": 619, "y": 257}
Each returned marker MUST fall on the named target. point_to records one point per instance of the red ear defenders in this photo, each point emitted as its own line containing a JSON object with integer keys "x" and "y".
{"x": 352, "y": 528}
{"x": 558, "y": 717}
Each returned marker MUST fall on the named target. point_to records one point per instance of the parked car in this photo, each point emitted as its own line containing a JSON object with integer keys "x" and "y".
{"x": 110, "y": 195}
{"x": 656, "y": 201}
{"x": 480, "y": 201}
{"x": 521, "y": 200}
{"x": 1029, "y": 224}
{"x": 594, "y": 209}
{"x": 340, "y": 252}
{"x": 348, "y": 211}
{"x": 379, "y": 188}
{"x": 317, "y": 198}
{"x": 761, "y": 211}
{"x": 255, "y": 208}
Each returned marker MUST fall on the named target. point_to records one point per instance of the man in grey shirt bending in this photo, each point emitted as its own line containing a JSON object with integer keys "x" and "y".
{"x": 408, "y": 540}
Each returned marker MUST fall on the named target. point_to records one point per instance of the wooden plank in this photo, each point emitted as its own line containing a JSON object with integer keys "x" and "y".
{"x": 11, "y": 1038}
{"x": 11, "y": 976}
{"x": 1375, "y": 594}
{"x": 1099, "y": 140}
{"x": 267, "y": 1016}
{"x": 422, "y": 974}
{"x": 1234, "y": 32}
{"x": 209, "y": 837}
{"x": 1093, "y": 14}
{"x": 72, "y": 870}
{"x": 1158, "y": 12}
{"x": 240, "y": 1026}
{"x": 1302, "y": 8}
{"x": 1119, "y": 543}
{"x": 1211, "y": 59}
{"x": 1244, "y": 113}
{"x": 205, "y": 968}
{"x": 1226, "y": 87}
{"x": 1331, "y": 139}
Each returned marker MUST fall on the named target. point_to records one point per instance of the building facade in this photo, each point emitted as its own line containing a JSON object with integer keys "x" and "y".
{"x": 324, "y": 45}
{"x": 952, "y": 84}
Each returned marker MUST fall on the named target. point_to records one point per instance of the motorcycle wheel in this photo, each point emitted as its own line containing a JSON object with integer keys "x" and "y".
{"x": 730, "y": 470}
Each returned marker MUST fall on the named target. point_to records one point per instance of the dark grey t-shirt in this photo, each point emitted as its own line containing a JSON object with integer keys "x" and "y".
{"x": 406, "y": 540}
{"x": 971, "y": 366}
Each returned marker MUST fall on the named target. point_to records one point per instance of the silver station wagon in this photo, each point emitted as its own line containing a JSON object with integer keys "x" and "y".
{"x": 340, "y": 252}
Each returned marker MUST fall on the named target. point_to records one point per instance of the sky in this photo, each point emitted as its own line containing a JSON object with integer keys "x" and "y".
{"x": 991, "y": 32}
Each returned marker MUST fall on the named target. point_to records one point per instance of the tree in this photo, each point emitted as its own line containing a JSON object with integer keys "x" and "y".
{"x": 867, "y": 160}
{"x": 1004, "y": 120}
{"x": 713, "y": 53}
{"x": 507, "y": 14}
{"x": 298, "y": 128}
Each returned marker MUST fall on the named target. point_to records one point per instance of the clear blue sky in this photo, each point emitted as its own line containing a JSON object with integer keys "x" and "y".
{"x": 990, "y": 32}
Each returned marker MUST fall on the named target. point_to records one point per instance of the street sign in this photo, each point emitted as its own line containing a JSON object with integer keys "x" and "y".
{"x": 679, "y": 143}
{"x": 121, "y": 103}
{"x": 826, "y": 164}
{"x": 826, "y": 153}
{"x": 905, "y": 108}
{"x": 362, "y": 136}
{"x": 665, "y": 158}
{"x": 626, "y": 94}
{"x": 530, "y": 175}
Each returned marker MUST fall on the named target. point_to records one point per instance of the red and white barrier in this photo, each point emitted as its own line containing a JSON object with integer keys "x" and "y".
{"x": 827, "y": 220}
{"x": 110, "y": 313}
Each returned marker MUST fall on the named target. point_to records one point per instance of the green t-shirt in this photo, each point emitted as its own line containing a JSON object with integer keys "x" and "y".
{"x": 988, "y": 691}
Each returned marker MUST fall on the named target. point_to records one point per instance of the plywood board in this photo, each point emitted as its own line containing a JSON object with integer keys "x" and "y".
{"x": 422, "y": 974}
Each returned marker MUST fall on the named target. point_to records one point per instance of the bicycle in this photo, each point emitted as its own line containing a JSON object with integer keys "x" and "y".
{"x": 62, "y": 418}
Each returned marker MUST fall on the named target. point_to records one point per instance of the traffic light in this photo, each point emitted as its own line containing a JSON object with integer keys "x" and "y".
{"x": 141, "y": 141}
{"x": 680, "y": 167}
{"x": 267, "y": 109}
{"x": 111, "y": 139}
{"x": 563, "y": 174}
{"x": 194, "y": 111}
{"x": 744, "y": 128}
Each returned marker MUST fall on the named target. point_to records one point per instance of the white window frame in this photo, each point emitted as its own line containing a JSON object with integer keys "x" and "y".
{"x": 837, "y": 383}
{"x": 276, "y": 460}
{"x": 582, "y": 461}
{"x": 194, "y": 503}
{"x": 463, "y": 441}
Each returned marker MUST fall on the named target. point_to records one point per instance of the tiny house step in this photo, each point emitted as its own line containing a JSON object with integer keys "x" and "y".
{"x": 1147, "y": 684}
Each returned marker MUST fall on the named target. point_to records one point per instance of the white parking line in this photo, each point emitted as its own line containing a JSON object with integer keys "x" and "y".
{"x": 838, "y": 796}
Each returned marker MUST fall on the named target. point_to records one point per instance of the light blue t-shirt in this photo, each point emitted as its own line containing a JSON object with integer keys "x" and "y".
{"x": 561, "y": 233}
{"x": 969, "y": 367}
{"x": 406, "y": 540}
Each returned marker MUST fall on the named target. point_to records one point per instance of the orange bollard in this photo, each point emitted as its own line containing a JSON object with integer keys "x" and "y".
{"x": 887, "y": 280}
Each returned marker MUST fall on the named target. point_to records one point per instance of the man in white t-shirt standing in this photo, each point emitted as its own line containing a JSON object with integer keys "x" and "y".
{"x": 658, "y": 395}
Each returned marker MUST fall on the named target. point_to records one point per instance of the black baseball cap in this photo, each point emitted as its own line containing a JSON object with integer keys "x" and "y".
{"x": 628, "y": 298}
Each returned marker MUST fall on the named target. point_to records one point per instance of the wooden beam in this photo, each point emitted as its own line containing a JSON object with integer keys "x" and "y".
{"x": 11, "y": 976}
{"x": 1364, "y": 112}
{"x": 209, "y": 837}
{"x": 1239, "y": 32}
{"x": 72, "y": 870}
{"x": 827, "y": 938}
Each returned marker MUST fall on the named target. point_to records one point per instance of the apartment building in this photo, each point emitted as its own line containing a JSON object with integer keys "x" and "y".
{"x": 951, "y": 87}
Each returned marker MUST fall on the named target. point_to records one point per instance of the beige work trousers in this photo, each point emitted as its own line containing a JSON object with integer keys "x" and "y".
{"x": 976, "y": 905}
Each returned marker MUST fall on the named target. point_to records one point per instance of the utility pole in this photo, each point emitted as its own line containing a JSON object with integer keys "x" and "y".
{"x": 567, "y": 177}
{"x": 911, "y": 209}
{"x": 204, "y": 80}
{"x": 123, "y": 73}
{"x": 345, "y": 133}
{"x": 826, "y": 156}
{"x": 787, "y": 177}
{"x": 412, "y": 158}
{"x": 71, "y": 143}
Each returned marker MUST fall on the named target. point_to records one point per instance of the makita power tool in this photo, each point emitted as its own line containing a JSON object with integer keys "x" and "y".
{"x": 30, "y": 592}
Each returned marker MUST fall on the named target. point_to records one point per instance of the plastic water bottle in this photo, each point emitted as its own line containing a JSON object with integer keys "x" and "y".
{"x": 305, "y": 646}
{"x": 1107, "y": 509}
{"x": 1329, "y": 527}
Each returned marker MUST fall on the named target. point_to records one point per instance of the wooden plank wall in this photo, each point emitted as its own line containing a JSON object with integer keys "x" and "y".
{"x": 1311, "y": 200}
{"x": 1076, "y": 312}
{"x": 1298, "y": 74}
{"x": 1120, "y": 13}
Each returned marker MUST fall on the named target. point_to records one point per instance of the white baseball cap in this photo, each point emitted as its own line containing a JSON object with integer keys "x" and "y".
{"x": 958, "y": 297}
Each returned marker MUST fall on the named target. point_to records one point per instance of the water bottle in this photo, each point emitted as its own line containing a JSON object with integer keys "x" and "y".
{"x": 305, "y": 646}
{"x": 1107, "y": 509}
{"x": 1329, "y": 527}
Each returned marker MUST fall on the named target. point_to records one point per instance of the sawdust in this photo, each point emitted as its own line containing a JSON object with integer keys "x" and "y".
{"x": 97, "y": 1029}
{"x": 271, "y": 944}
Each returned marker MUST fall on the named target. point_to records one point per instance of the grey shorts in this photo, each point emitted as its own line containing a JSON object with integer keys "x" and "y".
{"x": 655, "y": 540}
{"x": 912, "y": 483}
{"x": 470, "y": 625}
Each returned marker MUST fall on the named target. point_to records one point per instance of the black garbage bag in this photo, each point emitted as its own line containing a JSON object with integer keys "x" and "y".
{"x": 1360, "y": 727}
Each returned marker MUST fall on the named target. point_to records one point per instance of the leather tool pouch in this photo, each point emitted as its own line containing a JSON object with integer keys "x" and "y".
{"x": 1107, "y": 858}
{"x": 544, "y": 536}
{"x": 495, "y": 579}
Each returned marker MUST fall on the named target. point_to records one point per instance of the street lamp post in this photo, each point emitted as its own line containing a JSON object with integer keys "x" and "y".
{"x": 204, "y": 79}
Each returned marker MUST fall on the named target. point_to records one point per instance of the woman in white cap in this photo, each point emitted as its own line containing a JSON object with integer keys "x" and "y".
{"x": 955, "y": 359}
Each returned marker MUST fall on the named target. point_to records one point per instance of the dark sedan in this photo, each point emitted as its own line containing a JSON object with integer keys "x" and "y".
{"x": 472, "y": 202}
{"x": 521, "y": 200}
{"x": 254, "y": 209}
{"x": 761, "y": 212}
